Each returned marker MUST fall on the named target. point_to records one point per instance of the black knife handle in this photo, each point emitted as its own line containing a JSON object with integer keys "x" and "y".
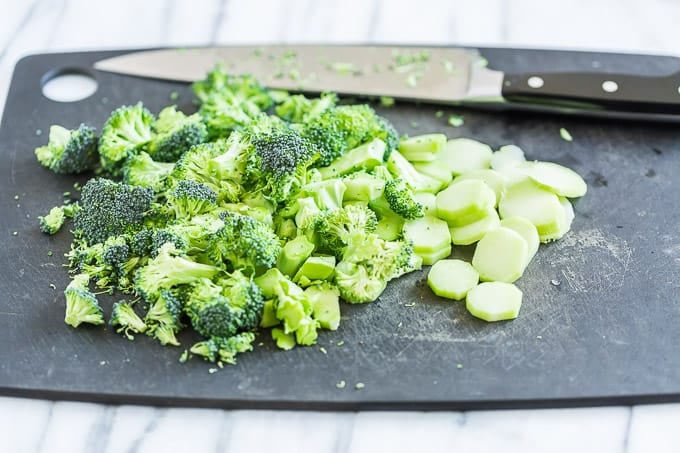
{"x": 596, "y": 91}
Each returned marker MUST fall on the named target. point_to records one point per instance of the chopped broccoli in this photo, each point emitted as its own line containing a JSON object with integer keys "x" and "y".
{"x": 400, "y": 199}
{"x": 69, "y": 151}
{"x": 124, "y": 317}
{"x": 141, "y": 170}
{"x": 164, "y": 317}
{"x": 52, "y": 222}
{"x": 224, "y": 350}
{"x": 339, "y": 227}
{"x": 81, "y": 305}
{"x": 127, "y": 130}
{"x": 190, "y": 198}
{"x": 175, "y": 134}
{"x": 109, "y": 208}
{"x": 299, "y": 109}
{"x": 222, "y": 309}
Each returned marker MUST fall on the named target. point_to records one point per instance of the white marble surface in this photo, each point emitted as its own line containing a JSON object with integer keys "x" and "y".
{"x": 32, "y": 26}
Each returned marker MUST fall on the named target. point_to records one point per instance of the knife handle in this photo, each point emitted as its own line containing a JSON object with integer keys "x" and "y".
{"x": 596, "y": 91}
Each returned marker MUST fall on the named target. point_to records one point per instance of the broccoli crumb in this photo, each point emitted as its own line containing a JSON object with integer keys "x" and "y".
{"x": 53, "y": 286}
{"x": 213, "y": 370}
{"x": 38, "y": 132}
{"x": 359, "y": 385}
{"x": 438, "y": 114}
{"x": 184, "y": 357}
{"x": 174, "y": 96}
{"x": 340, "y": 343}
{"x": 459, "y": 366}
{"x": 539, "y": 337}
{"x": 16, "y": 197}
{"x": 323, "y": 350}
{"x": 341, "y": 384}
{"x": 412, "y": 304}
{"x": 49, "y": 253}
{"x": 387, "y": 101}
{"x": 15, "y": 233}
{"x": 566, "y": 135}
{"x": 456, "y": 120}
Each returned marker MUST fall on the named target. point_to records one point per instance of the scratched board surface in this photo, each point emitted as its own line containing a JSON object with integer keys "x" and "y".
{"x": 600, "y": 306}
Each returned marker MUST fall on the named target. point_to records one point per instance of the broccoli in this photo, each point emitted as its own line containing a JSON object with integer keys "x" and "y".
{"x": 299, "y": 109}
{"x": 126, "y": 131}
{"x": 164, "y": 317}
{"x": 124, "y": 317}
{"x": 169, "y": 269}
{"x": 223, "y": 308}
{"x": 229, "y": 101}
{"x": 141, "y": 170}
{"x": 81, "y": 305}
{"x": 327, "y": 194}
{"x": 119, "y": 261}
{"x": 346, "y": 127}
{"x": 244, "y": 243}
{"x": 224, "y": 350}
{"x": 69, "y": 151}
{"x": 339, "y": 227}
{"x": 192, "y": 235}
{"x": 355, "y": 283}
{"x": 190, "y": 198}
{"x": 52, "y": 222}
{"x": 175, "y": 134}
{"x": 400, "y": 167}
{"x": 109, "y": 208}
{"x": 277, "y": 167}
{"x": 400, "y": 199}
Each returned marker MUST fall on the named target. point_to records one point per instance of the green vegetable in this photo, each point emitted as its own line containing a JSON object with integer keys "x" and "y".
{"x": 52, "y": 222}
{"x": 125, "y": 133}
{"x": 81, "y": 305}
{"x": 501, "y": 255}
{"x": 566, "y": 136}
{"x": 465, "y": 202}
{"x": 294, "y": 254}
{"x": 494, "y": 301}
{"x": 506, "y": 157}
{"x": 452, "y": 278}
{"x": 497, "y": 181}
{"x": 473, "y": 232}
{"x": 285, "y": 341}
{"x": 561, "y": 180}
{"x": 325, "y": 300}
{"x": 461, "y": 155}
{"x": 527, "y": 230}
{"x": 422, "y": 148}
{"x": 430, "y": 238}
{"x": 69, "y": 151}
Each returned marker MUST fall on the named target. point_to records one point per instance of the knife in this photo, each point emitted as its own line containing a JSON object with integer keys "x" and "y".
{"x": 442, "y": 75}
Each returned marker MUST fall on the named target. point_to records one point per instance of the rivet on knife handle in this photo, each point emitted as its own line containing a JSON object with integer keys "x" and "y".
{"x": 596, "y": 91}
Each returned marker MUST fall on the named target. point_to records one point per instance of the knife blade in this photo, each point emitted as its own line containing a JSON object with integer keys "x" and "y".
{"x": 443, "y": 75}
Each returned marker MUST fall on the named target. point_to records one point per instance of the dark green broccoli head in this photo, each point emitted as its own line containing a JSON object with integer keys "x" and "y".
{"x": 191, "y": 198}
{"x": 110, "y": 208}
{"x": 117, "y": 253}
{"x": 175, "y": 134}
{"x": 52, "y": 222}
{"x": 164, "y": 317}
{"x": 233, "y": 304}
{"x": 81, "y": 305}
{"x": 401, "y": 200}
{"x": 141, "y": 170}
{"x": 128, "y": 129}
{"x": 244, "y": 243}
{"x": 69, "y": 152}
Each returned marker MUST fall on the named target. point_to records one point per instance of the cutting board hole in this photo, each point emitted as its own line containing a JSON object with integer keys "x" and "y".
{"x": 68, "y": 85}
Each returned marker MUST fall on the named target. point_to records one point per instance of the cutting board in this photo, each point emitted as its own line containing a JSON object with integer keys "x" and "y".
{"x": 598, "y": 325}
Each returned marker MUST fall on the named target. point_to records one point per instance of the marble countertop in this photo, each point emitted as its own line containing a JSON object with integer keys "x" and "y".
{"x": 36, "y": 26}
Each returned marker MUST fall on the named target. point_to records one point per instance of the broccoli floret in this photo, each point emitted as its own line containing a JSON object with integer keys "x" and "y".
{"x": 69, "y": 151}
{"x": 127, "y": 130}
{"x": 299, "y": 109}
{"x": 190, "y": 198}
{"x": 400, "y": 167}
{"x": 222, "y": 309}
{"x": 109, "y": 208}
{"x": 81, "y": 304}
{"x": 244, "y": 243}
{"x": 277, "y": 167}
{"x": 193, "y": 235}
{"x": 119, "y": 261}
{"x": 228, "y": 101}
{"x": 224, "y": 350}
{"x": 355, "y": 283}
{"x": 198, "y": 165}
{"x": 128, "y": 322}
{"x": 164, "y": 317}
{"x": 169, "y": 269}
{"x": 339, "y": 227}
{"x": 175, "y": 134}
{"x": 52, "y": 222}
{"x": 400, "y": 199}
{"x": 141, "y": 170}
{"x": 346, "y": 127}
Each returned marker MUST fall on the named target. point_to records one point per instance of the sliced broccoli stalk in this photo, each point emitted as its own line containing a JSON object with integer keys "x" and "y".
{"x": 190, "y": 198}
{"x": 364, "y": 157}
{"x": 327, "y": 194}
{"x": 141, "y": 170}
{"x": 307, "y": 213}
{"x": 175, "y": 134}
{"x": 286, "y": 229}
{"x": 81, "y": 305}
{"x": 418, "y": 182}
{"x": 325, "y": 299}
{"x": 123, "y": 317}
{"x": 314, "y": 269}
{"x": 224, "y": 350}
{"x": 362, "y": 186}
{"x": 401, "y": 200}
{"x": 69, "y": 151}
{"x": 125, "y": 132}
{"x": 269, "y": 282}
{"x": 52, "y": 222}
{"x": 293, "y": 254}
{"x": 109, "y": 208}
{"x": 269, "y": 318}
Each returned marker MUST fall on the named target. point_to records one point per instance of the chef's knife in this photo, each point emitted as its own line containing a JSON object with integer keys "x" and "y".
{"x": 445, "y": 75}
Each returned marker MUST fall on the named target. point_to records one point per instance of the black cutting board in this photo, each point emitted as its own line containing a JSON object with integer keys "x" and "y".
{"x": 598, "y": 324}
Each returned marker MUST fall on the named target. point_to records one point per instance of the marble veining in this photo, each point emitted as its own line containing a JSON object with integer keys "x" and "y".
{"x": 26, "y": 27}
